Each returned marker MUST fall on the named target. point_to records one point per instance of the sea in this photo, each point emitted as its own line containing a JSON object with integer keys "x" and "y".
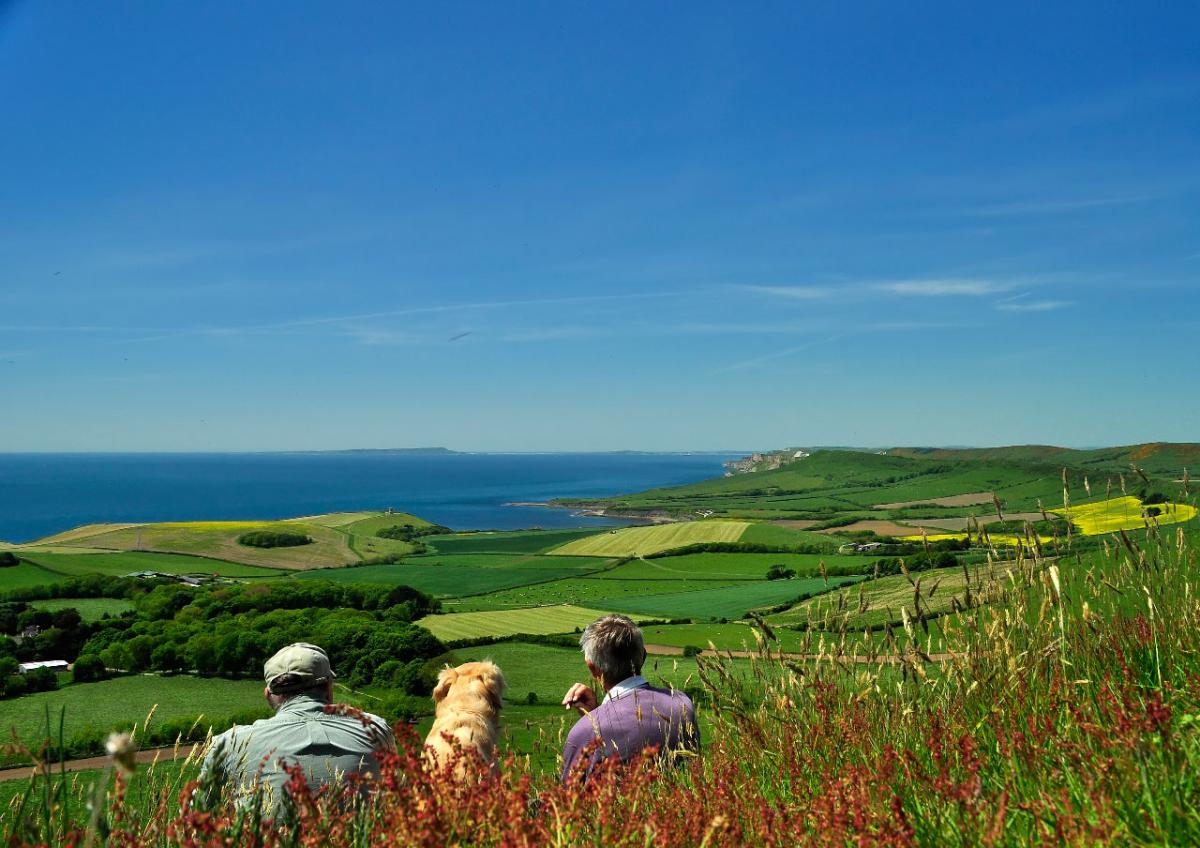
{"x": 43, "y": 494}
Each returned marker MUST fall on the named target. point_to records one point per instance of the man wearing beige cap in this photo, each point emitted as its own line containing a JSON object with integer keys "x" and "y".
{"x": 329, "y": 747}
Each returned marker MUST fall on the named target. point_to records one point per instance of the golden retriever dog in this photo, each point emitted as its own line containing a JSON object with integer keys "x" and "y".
{"x": 468, "y": 712}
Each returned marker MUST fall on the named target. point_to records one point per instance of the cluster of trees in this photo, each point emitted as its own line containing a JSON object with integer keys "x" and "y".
{"x": 407, "y": 532}
{"x": 60, "y": 634}
{"x": 780, "y": 572}
{"x": 14, "y": 684}
{"x": 368, "y": 631}
{"x": 8, "y": 559}
{"x": 917, "y": 562}
{"x": 89, "y": 586}
{"x": 273, "y": 539}
{"x": 1051, "y": 527}
{"x": 226, "y": 630}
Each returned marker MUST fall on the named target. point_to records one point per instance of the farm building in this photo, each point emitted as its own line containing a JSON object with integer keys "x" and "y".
{"x": 859, "y": 547}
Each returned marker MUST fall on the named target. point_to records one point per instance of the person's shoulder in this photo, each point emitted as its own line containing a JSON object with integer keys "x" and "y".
{"x": 586, "y": 728}
{"x": 668, "y": 692}
{"x": 379, "y": 722}
{"x": 676, "y": 696}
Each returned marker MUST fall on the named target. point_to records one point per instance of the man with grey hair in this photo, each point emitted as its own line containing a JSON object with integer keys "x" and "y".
{"x": 327, "y": 745}
{"x": 634, "y": 716}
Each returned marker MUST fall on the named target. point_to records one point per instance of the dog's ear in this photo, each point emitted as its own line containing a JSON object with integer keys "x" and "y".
{"x": 494, "y": 685}
{"x": 446, "y": 678}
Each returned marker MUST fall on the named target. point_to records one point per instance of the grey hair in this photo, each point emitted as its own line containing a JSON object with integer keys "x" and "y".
{"x": 613, "y": 644}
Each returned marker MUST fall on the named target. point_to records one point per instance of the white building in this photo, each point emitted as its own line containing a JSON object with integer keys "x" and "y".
{"x": 53, "y": 665}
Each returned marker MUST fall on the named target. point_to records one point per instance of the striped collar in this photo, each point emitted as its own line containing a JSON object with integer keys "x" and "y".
{"x": 625, "y": 687}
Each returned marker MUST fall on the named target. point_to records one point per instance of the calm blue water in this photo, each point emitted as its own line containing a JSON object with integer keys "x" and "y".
{"x": 41, "y": 494}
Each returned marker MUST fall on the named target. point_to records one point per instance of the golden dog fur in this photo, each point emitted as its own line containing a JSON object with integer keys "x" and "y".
{"x": 468, "y": 712}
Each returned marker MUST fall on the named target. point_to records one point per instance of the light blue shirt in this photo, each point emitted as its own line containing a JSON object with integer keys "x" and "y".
{"x": 329, "y": 747}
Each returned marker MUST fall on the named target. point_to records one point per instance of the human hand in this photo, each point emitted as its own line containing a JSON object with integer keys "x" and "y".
{"x": 580, "y": 697}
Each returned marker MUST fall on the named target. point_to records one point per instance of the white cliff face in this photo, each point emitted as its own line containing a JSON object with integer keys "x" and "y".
{"x": 764, "y": 461}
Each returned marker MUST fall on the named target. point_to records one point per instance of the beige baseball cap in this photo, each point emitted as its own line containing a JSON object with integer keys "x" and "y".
{"x": 296, "y": 667}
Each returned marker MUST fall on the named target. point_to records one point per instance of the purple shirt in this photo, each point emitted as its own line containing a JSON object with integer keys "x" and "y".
{"x": 636, "y": 719}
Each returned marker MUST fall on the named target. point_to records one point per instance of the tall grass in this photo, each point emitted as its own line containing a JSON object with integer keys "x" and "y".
{"x": 1058, "y": 703}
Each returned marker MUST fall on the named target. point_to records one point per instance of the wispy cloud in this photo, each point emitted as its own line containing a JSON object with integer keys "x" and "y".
{"x": 918, "y": 287}
{"x": 1033, "y": 305}
{"x": 791, "y": 292}
{"x": 1052, "y": 206}
{"x": 940, "y": 288}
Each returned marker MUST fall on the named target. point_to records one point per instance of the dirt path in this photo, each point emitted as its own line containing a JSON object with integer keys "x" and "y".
{"x": 91, "y": 763}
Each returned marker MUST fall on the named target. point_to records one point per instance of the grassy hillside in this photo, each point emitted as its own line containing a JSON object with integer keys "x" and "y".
{"x": 1155, "y": 458}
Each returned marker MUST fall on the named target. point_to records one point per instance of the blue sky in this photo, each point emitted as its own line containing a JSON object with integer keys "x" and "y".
{"x": 597, "y": 226}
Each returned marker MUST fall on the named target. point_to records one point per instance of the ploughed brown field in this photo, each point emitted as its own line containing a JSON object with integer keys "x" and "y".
{"x": 879, "y": 527}
{"x": 971, "y": 499}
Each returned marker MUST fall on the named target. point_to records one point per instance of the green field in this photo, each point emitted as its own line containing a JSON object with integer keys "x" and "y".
{"x": 632, "y": 541}
{"x": 26, "y": 575}
{"x": 471, "y": 625}
{"x": 127, "y": 562}
{"x": 762, "y": 533}
{"x": 727, "y": 602}
{"x": 376, "y": 521}
{"x": 732, "y": 566}
{"x": 583, "y": 591}
{"x": 514, "y": 542}
{"x": 735, "y": 636}
{"x": 885, "y": 596}
{"x": 90, "y": 609}
{"x": 549, "y": 671}
{"x": 123, "y": 700}
{"x": 465, "y": 574}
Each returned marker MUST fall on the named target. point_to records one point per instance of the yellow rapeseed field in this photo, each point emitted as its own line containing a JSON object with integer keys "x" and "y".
{"x": 1123, "y": 513}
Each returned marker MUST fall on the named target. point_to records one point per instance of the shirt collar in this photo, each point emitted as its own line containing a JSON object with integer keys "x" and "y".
{"x": 625, "y": 687}
{"x": 301, "y": 704}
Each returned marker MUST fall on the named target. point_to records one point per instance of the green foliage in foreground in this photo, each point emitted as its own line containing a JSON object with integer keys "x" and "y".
{"x": 1062, "y": 708}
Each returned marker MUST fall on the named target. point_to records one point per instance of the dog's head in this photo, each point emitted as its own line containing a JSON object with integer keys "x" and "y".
{"x": 471, "y": 684}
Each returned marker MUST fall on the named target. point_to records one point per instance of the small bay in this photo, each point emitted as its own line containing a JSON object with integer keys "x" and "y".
{"x": 42, "y": 494}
